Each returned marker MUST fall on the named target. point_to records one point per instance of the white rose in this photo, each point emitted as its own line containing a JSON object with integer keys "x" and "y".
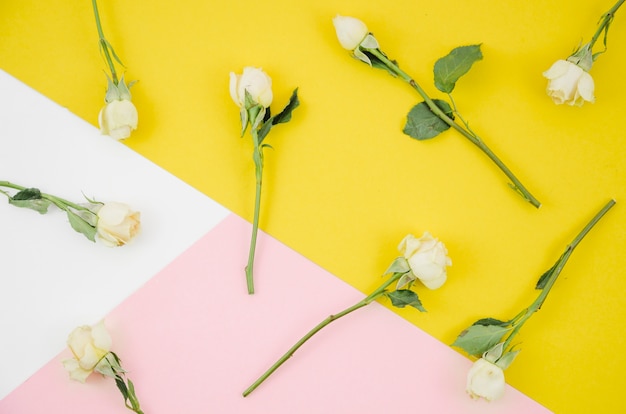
{"x": 352, "y": 34}
{"x": 117, "y": 224}
{"x": 256, "y": 82}
{"x": 485, "y": 380}
{"x": 89, "y": 345}
{"x": 350, "y": 31}
{"x": 118, "y": 118}
{"x": 569, "y": 83}
{"x": 427, "y": 258}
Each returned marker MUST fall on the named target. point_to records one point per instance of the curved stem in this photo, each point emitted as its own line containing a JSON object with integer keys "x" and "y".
{"x": 258, "y": 163}
{"x": 536, "y": 305}
{"x": 473, "y": 138}
{"x": 606, "y": 20}
{"x": 57, "y": 201}
{"x": 103, "y": 43}
{"x": 369, "y": 299}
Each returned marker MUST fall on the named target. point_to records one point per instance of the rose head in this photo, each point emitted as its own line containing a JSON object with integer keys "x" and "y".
{"x": 569, "y": 83}
{"x": 118, "y": 118}
{"x": 427, "y": 258}
{"x": 350, "y": 31}
{"x": 256, "y": 82}
{"x": 117, "y": 224}
{"x": 89, "y": 345}
{"x": 485, "y": 380}
{"x": 353, "y": 34}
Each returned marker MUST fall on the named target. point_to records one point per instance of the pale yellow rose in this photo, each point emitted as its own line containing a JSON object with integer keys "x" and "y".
{"x": 89, "y": 345}
{"x": 118, "y": 118}
{"x": 485, "y": 380}
{"x": 117, "y": 224}
{"x": 353, "y": 34}
{"x": 427, "y": 258}
{"x": 569, "y": 83}
{"x": 256, "y": 82}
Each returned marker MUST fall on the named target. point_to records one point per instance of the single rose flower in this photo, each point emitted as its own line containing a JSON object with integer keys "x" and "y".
{"x": 256, "y": 82}
{"x": 353, "y": 34}
{"x": 350, "y": 31}
{"x": 485, "y": 380}
{"x": 118, "y": 118}
{"x": 427, "y": 258}
{"x": 89, "y": 345}
{"x": 569, "y": 83}
{"x": 117, "y": 224}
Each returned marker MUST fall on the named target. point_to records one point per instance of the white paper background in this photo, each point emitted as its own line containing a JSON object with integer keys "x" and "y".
{"x": 52, "y": 278}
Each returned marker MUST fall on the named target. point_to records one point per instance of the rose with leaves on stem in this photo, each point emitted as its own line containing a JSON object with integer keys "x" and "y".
{"x": 91, "y": 351}
{"x": 431, "y": 117}
{"x": 427, "y": 256}
{"x": 569, "y": 80}
{"x": 490, "y": 339}
{"x": 252, "y": 93}
{"x": 114, "y": 223}
{"x": 119, "y": 117}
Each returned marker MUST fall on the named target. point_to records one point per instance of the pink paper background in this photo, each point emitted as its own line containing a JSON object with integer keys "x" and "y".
{"x": 193, "y": 340}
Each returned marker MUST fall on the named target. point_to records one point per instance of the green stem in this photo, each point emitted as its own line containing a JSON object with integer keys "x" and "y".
{"x": 536, "y": 305}
{"x": 57, "y": 201}
{"x": 103, "y": 43}
{"x": 606, "y": 20}
{"x": 258, "y": 163}
{"x": 369, "y": 299}
{"x": 473, "y": 138}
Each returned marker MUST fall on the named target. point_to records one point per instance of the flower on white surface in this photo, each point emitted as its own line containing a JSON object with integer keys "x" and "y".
{"x": 118, "y": 119}
{"x": 353, "y": 34}
{"x": 569, "y": 83}
{"x": 427, "y": 258}
{"x": 89, "y": 346}
{"x": 117, "y": 224}
{"x": 485, "y": 380}
{"x": 254, "y": 81}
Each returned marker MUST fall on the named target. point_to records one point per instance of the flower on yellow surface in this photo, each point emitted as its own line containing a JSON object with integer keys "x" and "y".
{"x": 353, "y": 34}
{"x": 253, "y": 81}
{"x": 427, "y": 258}
{"x": 569, "y": 83}
{"x": 118, "y": 119}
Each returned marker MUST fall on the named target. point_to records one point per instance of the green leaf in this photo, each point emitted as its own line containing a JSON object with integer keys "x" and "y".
{"x": 478, "y": 339}
{"x": 457, "y": 63}
{"x": 507, "y": 359}
{"x": 282, "y": 117}
{"x": 39, "y": 205}
{"x": 422, "y": 123}
{"x": 28, "y": 194}
{"x": 405, "y": 297}
{"x": 543, "y": 279}
{"x": 399, "y": 265}
{"x": 491, "y": 321}
{"x": 379, "y": 64}
{"x": 81, "y": 226}
{"x": 285, "y": 114}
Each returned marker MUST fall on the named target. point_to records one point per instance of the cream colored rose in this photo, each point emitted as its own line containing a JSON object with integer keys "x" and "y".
{"x": 117, "y": 224}
{"x": 118, "y": 118}
{"x": 427, "y": 258}
{"x": 256, "y": 82}
{"x": 353, "y": 34}
{"x": 350, "y": 31}
{"x": 485, "y": 380}
{"x": 569, "y": 83}
{"x": 89, "y": 345}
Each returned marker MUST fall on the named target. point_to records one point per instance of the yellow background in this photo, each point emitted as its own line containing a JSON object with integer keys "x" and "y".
{"x": 344, "y": 184}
